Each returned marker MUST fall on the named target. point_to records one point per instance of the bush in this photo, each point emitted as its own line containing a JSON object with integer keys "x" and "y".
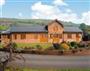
{"x": 83, "y": 44}
{"x": 14, "y": 47}
{"x": 64, "y": 46}
{"x": 56, "y": 46}
{"x": 73, "y": 45}
{"x": 38, "y": 47}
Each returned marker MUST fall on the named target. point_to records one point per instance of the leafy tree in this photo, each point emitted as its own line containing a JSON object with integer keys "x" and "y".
{"x": 82, "y": 26}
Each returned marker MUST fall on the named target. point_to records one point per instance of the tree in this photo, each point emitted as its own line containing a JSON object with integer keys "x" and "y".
{"x": 8, "y": 57}
{"x": 85, "y": 34}
{"x": 82, "y": 26}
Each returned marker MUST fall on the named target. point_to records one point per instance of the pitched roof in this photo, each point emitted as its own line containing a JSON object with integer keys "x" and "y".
{"x": 6, "y": 31}
{"x": 38, "y": 28}
{"x": 72, "y": 29}
{"x": 30, "y": 28}
{"x": 59, "y": 22}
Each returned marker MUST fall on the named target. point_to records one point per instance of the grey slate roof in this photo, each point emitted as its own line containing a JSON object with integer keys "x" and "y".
{"x": 37, "y": 28}
{"x": 72, "y": 29}
{"x": 30, "y": 28}
{"x": 6, "y": 31}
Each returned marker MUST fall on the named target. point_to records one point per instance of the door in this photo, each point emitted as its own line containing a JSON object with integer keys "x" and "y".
{"x": 55, "y": 40}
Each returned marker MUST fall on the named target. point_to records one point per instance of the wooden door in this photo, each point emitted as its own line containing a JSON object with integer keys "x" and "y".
{"x": 55, "y": 40}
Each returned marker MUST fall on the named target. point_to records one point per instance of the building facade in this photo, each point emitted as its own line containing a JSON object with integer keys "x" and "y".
{"x": 54, "y": 32}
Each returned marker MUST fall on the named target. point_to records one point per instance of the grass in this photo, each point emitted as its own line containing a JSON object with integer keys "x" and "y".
{"x": 51, "y": 69}
{"x": 1, "y": 46}
{"x": 28, "y": 45}
{"x": 3, "y": 27}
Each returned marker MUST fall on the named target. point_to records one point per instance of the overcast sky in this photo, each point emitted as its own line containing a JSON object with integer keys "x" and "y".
{"x": 76, "y": 11}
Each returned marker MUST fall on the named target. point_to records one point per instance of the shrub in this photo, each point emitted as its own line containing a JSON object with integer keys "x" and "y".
{"x": 56, "y": 46}
{"x": 14, "y": 47}
{"x": 38, "y": 47}
{"x": 73, "y": 45}
{"x": 11, "y": 45}
{"x": 64, "y": 46}
{"x": 83, "y": 44}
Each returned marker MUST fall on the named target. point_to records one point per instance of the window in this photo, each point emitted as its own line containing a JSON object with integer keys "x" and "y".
{"x": 77, "y": 36}
{"x": 60, "y": 35}
{"x": 4, "y": 36}
{"x": 69, "y": 35}
{"x": 8, "y": 36}
{"x": 23, "y": 36}
{"x": 55, "y": 35}
{"x": 44, "y": 35}
{"x": 15, "y": 36}
{"x": 51, "y": 36}
{"x": 35, "y": 36}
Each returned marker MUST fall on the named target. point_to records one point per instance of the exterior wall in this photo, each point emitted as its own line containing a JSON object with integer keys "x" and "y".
{"x": 74, "y": 38}
{"x": 53, "y": 29}
{"x": 55, "y": 39}
{"x": 41, "y": 38}
{"x": 80, "y": 38}
{"x": 55, "y": 35}
{"x": 30, "y": 38}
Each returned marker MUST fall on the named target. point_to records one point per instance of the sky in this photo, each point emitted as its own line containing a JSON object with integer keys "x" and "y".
{"x": 76, "y": 11}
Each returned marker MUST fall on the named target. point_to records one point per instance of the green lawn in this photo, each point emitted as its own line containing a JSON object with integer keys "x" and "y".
{"x": 3, "y": 27}
{"x": 40, "y": 69}
{"x": 0, "y": 45}
{"x": 33, "y": 45}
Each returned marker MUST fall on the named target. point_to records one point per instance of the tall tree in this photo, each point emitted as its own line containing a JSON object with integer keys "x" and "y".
{"x": 83, "y": 26}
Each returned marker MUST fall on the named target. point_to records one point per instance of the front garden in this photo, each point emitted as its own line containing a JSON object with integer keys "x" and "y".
{"x": 69, "y": 48}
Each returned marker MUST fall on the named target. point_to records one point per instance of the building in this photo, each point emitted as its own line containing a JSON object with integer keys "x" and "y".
{"x": 54, "y": 32}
